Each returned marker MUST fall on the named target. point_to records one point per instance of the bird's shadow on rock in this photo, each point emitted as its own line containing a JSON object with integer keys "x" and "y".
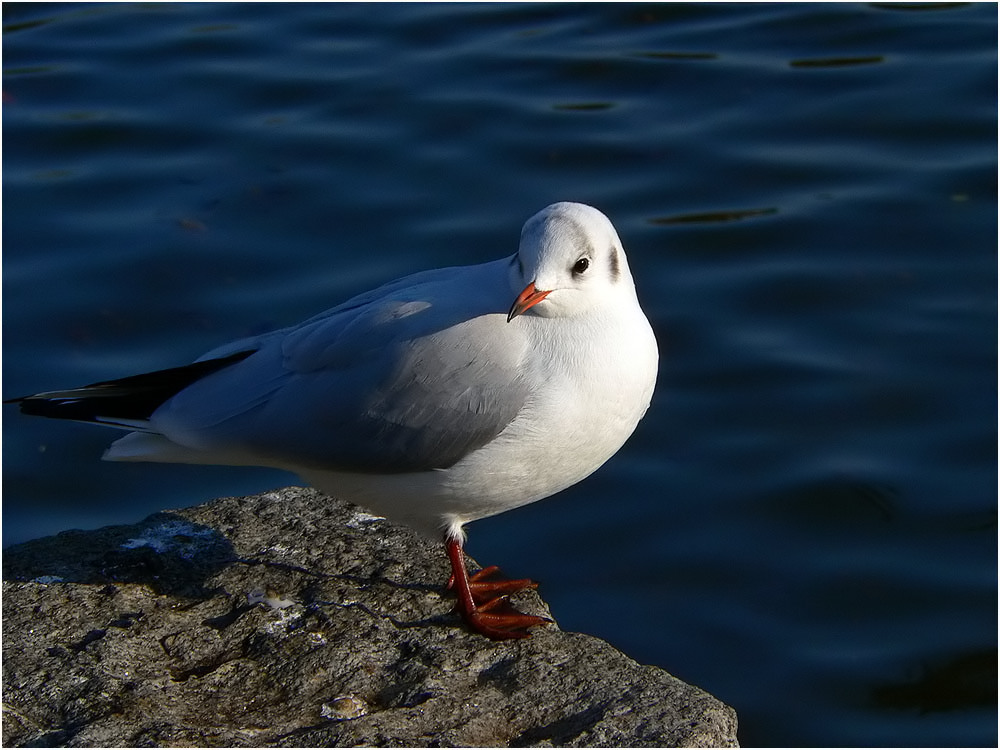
{"x": 167, "y": 552}
{"x": 174, "y": 556}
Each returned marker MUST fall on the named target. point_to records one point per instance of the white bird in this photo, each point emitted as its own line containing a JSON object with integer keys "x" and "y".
{"x": 431, "y": 400}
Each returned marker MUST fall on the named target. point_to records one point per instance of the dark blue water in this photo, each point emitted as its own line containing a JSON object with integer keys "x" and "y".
{"x": 805, "y": 522}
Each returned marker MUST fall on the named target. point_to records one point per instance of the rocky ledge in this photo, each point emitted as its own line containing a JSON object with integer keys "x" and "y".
{"x": 292, "y": 619}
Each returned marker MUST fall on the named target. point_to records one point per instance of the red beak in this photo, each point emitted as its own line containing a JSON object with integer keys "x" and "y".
{"x": 530, "y": 296}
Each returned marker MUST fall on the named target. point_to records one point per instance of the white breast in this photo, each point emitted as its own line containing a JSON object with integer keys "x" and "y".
{"x": 593, "y": 397}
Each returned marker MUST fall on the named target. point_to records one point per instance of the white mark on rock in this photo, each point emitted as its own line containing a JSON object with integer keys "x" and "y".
{"x": 360, "y": 520}
{"x": 344, "y": 708}
{"x": 173, "y": 536}
{"x": 46, "y": 580}
{"x": 270, "y": 597}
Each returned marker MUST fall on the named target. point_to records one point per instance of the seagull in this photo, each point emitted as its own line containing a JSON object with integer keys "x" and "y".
{"x": 434, "y": 400}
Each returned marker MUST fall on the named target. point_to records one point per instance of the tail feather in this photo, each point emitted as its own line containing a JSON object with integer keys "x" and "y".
{"x": 127, "y": 402}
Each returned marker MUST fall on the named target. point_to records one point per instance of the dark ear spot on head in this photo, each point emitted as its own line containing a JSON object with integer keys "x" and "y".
{"x": 615, "y": 264}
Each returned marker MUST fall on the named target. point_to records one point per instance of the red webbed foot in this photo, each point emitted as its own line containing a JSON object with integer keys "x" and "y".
{"x": 497, "y": 619}
{"x": 484, "y": 604}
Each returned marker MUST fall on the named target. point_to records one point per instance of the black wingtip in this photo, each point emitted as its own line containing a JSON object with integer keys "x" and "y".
{"x": 81, "y": 409}
{"x": 131, "y": 398}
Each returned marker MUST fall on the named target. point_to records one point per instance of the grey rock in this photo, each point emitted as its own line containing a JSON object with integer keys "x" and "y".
{"x": 292, "y": 619}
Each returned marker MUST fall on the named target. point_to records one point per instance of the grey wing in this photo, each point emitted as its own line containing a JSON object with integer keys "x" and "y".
{"x": 391, "y": 385}
{"x": 443, "y": 400}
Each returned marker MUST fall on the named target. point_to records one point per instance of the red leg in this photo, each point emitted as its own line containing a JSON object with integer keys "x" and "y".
{"x": 483, "y": 604}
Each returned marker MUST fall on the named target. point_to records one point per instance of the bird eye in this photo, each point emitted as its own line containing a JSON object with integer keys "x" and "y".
{"x": 581, "y": 265}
